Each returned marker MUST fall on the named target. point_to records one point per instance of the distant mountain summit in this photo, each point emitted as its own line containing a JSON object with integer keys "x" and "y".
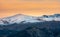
{"x": 55, "y": 17}
{"x": 20, "y": 18}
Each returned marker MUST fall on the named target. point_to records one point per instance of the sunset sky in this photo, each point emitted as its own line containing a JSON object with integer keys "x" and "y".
{"x": 29, "y": 7}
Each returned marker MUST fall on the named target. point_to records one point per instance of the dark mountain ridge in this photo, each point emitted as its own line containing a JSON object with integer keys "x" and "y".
{"x": 29, "y": 26}
{"x": 38, "y": 29}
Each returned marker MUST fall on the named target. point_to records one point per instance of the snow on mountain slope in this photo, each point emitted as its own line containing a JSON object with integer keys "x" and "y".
{"x": 55, "y": 17}
{"x": 20, "y": 18}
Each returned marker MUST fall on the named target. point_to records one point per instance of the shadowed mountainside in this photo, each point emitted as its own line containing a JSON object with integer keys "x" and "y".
{"x": 38, "y": 29}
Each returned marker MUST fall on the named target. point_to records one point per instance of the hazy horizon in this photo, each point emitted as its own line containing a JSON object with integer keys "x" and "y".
{"x": 29, "y": 7}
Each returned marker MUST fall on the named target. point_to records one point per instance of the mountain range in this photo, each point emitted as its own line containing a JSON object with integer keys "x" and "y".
{"x": 20, "y": 18}
{"x": 30, "y": 26}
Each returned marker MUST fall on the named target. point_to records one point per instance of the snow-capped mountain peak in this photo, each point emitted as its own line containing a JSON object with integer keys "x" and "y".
{"x": 19, "y": 18}
{"x": 55, "y": 17}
